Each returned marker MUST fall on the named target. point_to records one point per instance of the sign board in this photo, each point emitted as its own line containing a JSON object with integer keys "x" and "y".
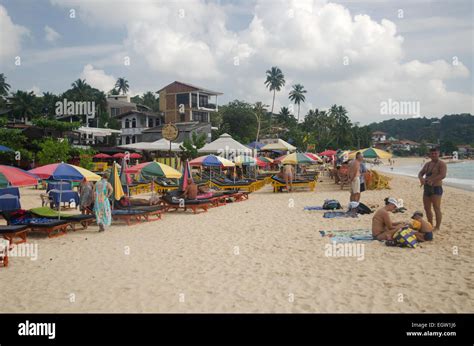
{"x": 170, "y": 132}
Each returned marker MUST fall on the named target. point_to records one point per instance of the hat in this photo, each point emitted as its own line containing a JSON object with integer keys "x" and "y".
{"x": 398, "y": 203}
{"x": 417, "y": 213}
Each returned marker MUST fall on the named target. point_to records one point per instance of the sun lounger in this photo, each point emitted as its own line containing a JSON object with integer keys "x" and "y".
{"x": 279, "y": 184}
{"x": 150, "y": 213}
{"x": 129, "y": 216}
{"x": 11, "y": 232}
{"x": 172, "y": 202}
{"x": 51, "y": 227}
{"x": 75, "y": 220}
{"x": 227, "y": 185}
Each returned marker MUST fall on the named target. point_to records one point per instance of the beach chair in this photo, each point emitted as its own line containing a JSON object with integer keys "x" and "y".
{"x": 52, "y": 228}
{"x": 82, "y": 220}
{"x": 172, "y": 202}
{"x": 150, "y": 212}
{"x": 129, "y": 216}
{"x": 279, "y": 184}
{"x": 12, "y": 232}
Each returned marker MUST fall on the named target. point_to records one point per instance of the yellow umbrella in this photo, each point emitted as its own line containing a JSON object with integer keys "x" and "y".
{"x": 114, "y": 180}
{"x": 371, "y": 153}
{"x": 90, "y": 176}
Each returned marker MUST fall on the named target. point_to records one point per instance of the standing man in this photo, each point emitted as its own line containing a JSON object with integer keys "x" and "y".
{"x": 431, "y": 178}
{"x": 354, "y": 177}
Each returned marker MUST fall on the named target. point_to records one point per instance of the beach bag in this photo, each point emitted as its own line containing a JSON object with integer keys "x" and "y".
{"x": 406, "y": 238}
{"x": 363, "y": 209}
{"x": 331, "y": 204}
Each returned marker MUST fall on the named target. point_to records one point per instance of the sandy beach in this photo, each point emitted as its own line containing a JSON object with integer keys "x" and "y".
{"x": 261, "y": 255}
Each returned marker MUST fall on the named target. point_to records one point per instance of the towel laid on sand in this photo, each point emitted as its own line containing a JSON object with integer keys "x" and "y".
{"x": 348, "y": 236}
{"x": 316, "y": 207}
{"x": 338, "y": 214}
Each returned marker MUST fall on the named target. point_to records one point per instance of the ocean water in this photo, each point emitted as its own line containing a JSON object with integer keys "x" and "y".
{"x": 460, "y": 174}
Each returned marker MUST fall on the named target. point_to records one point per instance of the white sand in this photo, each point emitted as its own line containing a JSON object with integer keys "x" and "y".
{"x": 261, "y": 255}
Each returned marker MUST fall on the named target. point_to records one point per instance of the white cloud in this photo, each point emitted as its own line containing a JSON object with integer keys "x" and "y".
{"x": 10, "y": 35}
{"x": 309, "y": 40}
{"x": 98, "y": 78}
{"x": 62, "y": 53}
{"x": 51, "y": 35}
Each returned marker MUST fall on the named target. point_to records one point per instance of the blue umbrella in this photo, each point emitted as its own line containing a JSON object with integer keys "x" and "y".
{"x": 5, "y": 149}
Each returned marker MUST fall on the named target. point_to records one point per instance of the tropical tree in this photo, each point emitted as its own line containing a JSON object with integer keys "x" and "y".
{"x": 259, "y": 110}
{"x": 122, "y": 85}
{"x": 48, "y": 104}
{"x": 274, "y": 82}
{"x": 190, "y": 146}
{"x": 4, "y": 86}
{"x": 24, "y": 104}
{"x": 285, "y": 118}
{"x": 297, "y": 96}
{"x": 53, "y": 151}
{"x": 80, "y": 89}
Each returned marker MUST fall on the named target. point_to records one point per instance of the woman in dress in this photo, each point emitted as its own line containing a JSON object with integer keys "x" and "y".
{"x": 86, "y": 196}
{"x": 102, "y": 192}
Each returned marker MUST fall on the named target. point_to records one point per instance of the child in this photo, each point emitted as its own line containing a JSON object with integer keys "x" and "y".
{"x": 424, "y": 228}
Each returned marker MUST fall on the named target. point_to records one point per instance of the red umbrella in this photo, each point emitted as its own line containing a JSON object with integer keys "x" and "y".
{"x": 102, "y": 156}
{"x": 135, "y": 156}
{"x": 12, "y": 176}
{"x": 118, "y": 156}
{"x": 328, "y": 153}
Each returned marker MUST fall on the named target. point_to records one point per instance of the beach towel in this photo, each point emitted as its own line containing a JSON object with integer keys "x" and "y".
{"x": 316, "y": 207}
{"x": 348, "y": 236}
{"x": 338, "y": 214}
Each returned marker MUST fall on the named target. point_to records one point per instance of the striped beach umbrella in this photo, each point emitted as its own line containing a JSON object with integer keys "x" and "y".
{"x": 154, "y": 169}
{"x": 186, "y": 177}
{"x": 246, "y": 160}
{"x": 265, "y": 159}
{"x": 371, "y": 153}
{"x": 12, "y": 176}
{"x": 5, "y": 149}
{"x": 314, "y": 157}
{"x": 211, "y": 161}
{"x": 295, "y": 159}
{"x": 64, "y": 171}
{"x": 102, "y": 156}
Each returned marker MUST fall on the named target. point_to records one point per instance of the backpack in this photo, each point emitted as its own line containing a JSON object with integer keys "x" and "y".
{"x": 331, "y": 204}
{"x": 363, "y": 209}
{"x": 406, "y": 238}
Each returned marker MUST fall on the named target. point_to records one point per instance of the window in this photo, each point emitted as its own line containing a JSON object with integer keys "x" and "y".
{"x": 134, "y": 139}
{"x": 127, "y": 124}
{"x": 150, "y": 122}
{"x": 134, "y": 122}
{"x": 114, "y": 111}
{"x": 203, "y": 100}
{"x": 202, "y": 117}
{"x": 194, "y": 100}
{"x": 182, "y": 99}
{"x": 182, "y": 117}
{"x": 127, "y": 140}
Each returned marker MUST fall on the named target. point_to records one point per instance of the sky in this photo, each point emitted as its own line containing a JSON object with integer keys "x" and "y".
{"x": 362, "y": 54}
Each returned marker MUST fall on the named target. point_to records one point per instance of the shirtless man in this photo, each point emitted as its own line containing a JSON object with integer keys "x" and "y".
{"x": 288, "y": 173}
{"x": 354, "y": 177}
{"x": 191, "y": 191}
{"x": 431, "y": 178}
{"x": 382, "y": 226}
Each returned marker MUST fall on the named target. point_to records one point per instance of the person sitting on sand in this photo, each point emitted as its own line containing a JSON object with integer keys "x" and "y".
{"x": 424, "y": 229}
{"x": 288, "y": 174}
{"x": 382, "y": 226}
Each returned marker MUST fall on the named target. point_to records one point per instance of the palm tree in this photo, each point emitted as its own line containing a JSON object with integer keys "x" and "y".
{"x": 297, "y": 96}
{"x": 4, "y": 86}
{"x": 122, "y": 85}
{"x": 259, "y": 110}
{"x": 24, "y": 104}
{"x": 149, "y": 99}
{"x": 80, "y": 88}
{"x": 274, "y": 82}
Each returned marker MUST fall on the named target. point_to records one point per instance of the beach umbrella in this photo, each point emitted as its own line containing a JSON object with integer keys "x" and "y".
{"x": 102, "y": 156}
{"x": 265, "y": 159}
{"x": 249, "y": 161}
{"x": 118, "y": 156}
{"x": 5, "y": 149}
{"x": 211, "y": 161}
{"x": 295, "y": 159}
{"x": 114, "y": 180}
{"x": 64, "y": 171}
{"x": 154, "y": 169}
{"x": 328, "y": 153}
{"x": 12, "y": 176}
{"x": 314, "y": 157}
{"x": 135, "y": 156}
{"x": 186, "y": 176}
{"x": 371, "y": 153}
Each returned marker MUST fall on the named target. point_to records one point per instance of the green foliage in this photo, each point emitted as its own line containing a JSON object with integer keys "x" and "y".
{"x": 85, "y": 156}
{"x": 61, "y": 126}
{"x": 4, "y": 86}
{"x": 122, "y": 85}
{"x": 191, "y": 146}
{"x": 239, "y": 118}
{"x": 12, "y": 138}
{"x": 297, "y": 96}
{"x": 53, "y": 151}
